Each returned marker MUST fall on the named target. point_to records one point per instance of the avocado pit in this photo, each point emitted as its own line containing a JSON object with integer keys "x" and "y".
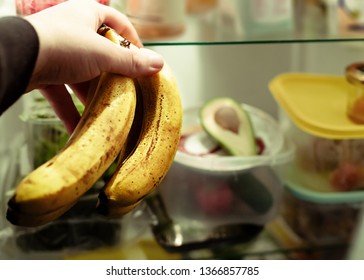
{"x": 227, "y": 118}
{"x": 227, "y": 122}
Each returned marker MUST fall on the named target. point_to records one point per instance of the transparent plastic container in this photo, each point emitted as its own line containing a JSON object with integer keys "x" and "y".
{"x": 206, "y": 191}
{"x": 324, "y": 185}
{"x": 28, "y": 7}
{"x": 329, "y": 145}
{"x": 157, "y": 19}
{"x": 324, "y": 188}
{"x": 200, "y": 6}
{"x": 321, "y": 219}
{"x": 328, "y": 166}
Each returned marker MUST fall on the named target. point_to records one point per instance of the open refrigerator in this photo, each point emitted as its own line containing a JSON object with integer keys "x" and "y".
{"x": 101, "y": 239}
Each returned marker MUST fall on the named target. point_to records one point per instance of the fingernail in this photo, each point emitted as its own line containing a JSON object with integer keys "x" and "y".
{"x": 156, "y": 61}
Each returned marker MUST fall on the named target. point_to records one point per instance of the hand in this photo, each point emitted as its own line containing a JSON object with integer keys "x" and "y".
{"x": 71, "y": 52}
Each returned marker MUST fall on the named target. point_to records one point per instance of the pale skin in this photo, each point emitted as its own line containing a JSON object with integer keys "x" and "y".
{"x": 72, "y": 53}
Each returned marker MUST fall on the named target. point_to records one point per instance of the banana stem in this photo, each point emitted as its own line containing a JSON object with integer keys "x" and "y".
{"x": 112, "y": 35}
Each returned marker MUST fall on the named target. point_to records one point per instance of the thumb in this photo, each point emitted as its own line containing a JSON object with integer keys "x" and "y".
{"x": 134, "y": 62}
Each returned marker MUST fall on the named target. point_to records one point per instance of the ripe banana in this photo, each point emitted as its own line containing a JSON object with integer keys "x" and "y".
{"x": 54, "y": 187}
{"x": 101, "y": 135}
{"x": 134, "y": 132}
{"x": 30, "y": 220}
{"x": 142, "y": 171}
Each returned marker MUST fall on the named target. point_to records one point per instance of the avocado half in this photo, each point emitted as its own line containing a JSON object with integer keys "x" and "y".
{"x": 228, "y": 123}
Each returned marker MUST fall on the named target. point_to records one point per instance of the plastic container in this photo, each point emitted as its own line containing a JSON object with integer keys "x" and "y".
{"x": 207, "y": 190}
{"x": 78, "y": 230}
{"x": 157, "y": 19}
{"x": 315, "y": 225}
{"x": 321, "y": 219}
{"x": 329, "y": 145}
{"x": 45, "y": 134}
{"x": 262, "y": 18}
{"x": 328, "y": 166}
{"x": 200, "y": 6}
{"x": 324, "y": 191}
{"x": 325, "y": 182}
{"x": 28, "y": 7}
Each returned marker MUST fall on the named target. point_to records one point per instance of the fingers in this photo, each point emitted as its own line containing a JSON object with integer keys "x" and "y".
{"x": 132, "y": 62}
{"x": 81, "y": 90}
{"x": 127, "y": 58}
{"x": 62, "y": 104}
{"x": 143, "y": 62}
{"x": 78, "y": 63}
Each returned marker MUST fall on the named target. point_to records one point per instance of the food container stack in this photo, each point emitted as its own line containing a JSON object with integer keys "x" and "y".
{"x": 324, "y": 185}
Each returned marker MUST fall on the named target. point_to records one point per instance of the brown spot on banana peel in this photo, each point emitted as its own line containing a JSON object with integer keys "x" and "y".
{"x": 144, "y": 169}
{"x": 67, "y": 176}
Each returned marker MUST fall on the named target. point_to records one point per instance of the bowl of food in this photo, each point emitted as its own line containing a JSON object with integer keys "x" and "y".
{"x": 208, "y": 187}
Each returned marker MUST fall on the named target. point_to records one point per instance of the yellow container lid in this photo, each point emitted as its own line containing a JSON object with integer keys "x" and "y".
{"x": 317, "y": 104}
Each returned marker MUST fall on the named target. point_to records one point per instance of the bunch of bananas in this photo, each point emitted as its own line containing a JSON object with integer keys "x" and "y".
{"x": 137, "y": 121}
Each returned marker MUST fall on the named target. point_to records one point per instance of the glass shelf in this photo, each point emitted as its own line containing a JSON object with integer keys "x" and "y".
{"x": 223, "y": 26}
{"x": 220, "y": 27}
{"x": 266, "y": 248}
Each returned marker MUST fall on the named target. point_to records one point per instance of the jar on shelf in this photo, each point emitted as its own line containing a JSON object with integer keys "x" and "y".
{"x": 200, "y": 6}
{"x": 28, "y": 7}
{"x": 156, "y": 19}
{"x": 355, "y": 76}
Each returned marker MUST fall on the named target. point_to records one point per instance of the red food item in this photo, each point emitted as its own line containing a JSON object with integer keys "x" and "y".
{"x": 214, "y": 199}
{"x": 260, "y": 145}
{"x": 347, "y": 177}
